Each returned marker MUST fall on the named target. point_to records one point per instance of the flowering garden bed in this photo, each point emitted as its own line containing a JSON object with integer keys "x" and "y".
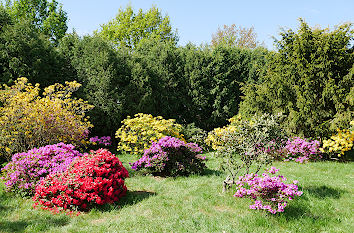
{"x": 196, "y": 203}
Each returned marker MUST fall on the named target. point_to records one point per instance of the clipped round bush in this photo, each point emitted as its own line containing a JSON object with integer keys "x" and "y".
{"x": 26, "y": 169}
{"x": 136, "y": 134}
{"x": 93, "y": 179}
{"x": 268, "y": 192}
{"x": 171, "y": 157}
{"x": 302, "y": 150}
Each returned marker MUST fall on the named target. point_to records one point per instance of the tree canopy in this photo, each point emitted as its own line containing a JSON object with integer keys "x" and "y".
{"x": 49, "y": 17}
{"x": 241, "y": 37}
{"x": 310, "y": 79}
{"x": 128, "y": 28}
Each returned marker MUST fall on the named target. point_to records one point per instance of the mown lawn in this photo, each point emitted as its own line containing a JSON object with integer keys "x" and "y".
{"x": 196, "y": 204}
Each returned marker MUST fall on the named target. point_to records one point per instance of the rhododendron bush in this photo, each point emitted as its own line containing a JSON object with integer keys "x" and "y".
{"x": 171, "y": 157}
{"x": 302, "y": 150}
{"x": 268, "y": 192}
{"x": 93, "y": 179}
{"x": 26, "y": 169}
{"x": 29, "y": 119}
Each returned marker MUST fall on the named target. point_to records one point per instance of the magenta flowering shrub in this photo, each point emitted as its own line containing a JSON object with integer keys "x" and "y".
{"x": 268, "y": 192}
{"x": 93, "y": 179}
{"x": 101, "y": 141}
{"x": 302, "y": 150}
{"x": 171, "y": 157}
{"x": 26, "y": 169}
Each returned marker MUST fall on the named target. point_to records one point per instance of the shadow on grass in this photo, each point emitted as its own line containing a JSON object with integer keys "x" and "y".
{"x": 14, "y": 222}
{"x": 211, "y": 172}
{"x": 324, "y": 192}
{"x": 294, "y": 211}
{"x": 132, "y": 198}
{"x": 42, "y": 224}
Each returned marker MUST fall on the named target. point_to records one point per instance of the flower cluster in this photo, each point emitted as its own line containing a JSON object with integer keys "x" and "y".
{"x": 216, "y": 137}
{"x": 302, "y": 150}
{"x": 93, "y": 179}
{"x": 105, "y": 140}
{"x": 136, "y": 133}
{"x": 26, "y": 169}
{"x": 171, "y": 157}
{"x": 268, "y": 192}
{"x": 28, "y": 119}
{"x": 340, "y": 143}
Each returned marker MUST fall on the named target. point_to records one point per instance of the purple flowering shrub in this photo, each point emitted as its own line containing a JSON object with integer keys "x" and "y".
{"x": 302, "y": 150}
{"x": 26, "y": 169}
{"x": 171, "y": 157}
{"x": 268, "y": 192}
{"x": 101, "y": 141}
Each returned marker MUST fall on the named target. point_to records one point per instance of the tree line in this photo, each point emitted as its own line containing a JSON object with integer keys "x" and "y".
{"x": 134, "y": 64}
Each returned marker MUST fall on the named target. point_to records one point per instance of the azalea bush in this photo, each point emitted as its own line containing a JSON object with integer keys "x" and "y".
{"x": 340, "y": 143}
{"x": 302, "y": 150}
{"x": 29, "y": 119}
{"x": 96, "y": 142}
{"x": 268, "y": 191}
{"x": 136, "y": 134}
{"x": 251, "y": 144}
{"x": 171, "y": 157}
{"x": 26, "y": 169}
{"x": 93, "y": 179}
{"x": 101, "y": 141}
{"x": 216, "y": 137}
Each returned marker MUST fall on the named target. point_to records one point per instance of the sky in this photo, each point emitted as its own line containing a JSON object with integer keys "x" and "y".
{"x": 197, "y": 20}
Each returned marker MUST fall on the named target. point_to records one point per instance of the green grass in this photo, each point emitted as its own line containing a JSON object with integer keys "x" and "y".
{"x": 196, "y": 204}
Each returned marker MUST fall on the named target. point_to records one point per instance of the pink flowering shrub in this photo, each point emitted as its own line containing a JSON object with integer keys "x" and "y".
{"x": 101, "y": 141}
{"x": 93, "y": 179}
{"x": 268, "y": 192}
{"x": 302, "y": 150}
{"x": 171, "y": 157}
{"x": 26, "y": 169}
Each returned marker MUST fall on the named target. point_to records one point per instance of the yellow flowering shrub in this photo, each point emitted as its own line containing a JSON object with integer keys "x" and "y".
{"x": 339, "y": 143}
{"x": 136, "y": 134}
{"x": 215, "y": 138}
{"x": 29, "y": 119}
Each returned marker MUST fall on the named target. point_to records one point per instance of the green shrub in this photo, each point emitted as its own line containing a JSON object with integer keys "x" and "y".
{"x": 196, "y": 135}
{"x": 309, "y": 79}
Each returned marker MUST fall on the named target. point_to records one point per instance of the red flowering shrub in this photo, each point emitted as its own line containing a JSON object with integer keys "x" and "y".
{"x": 93, "y": 179}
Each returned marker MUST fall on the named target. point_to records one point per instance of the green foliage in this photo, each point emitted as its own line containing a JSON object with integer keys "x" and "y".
{"x": 309, "y": 79}
{"x": 188, "y": 84}
{"x": 214, "y": 78}
{"x": 5, "y": 18}
{"x": 49, "y": 17}
{"x": 104, "y": 74}
{"x": 157, "y": 85}
{"x": 24, "y": 51}
{"x": 196, "y": 135}
{"x": 128, "y": 27}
